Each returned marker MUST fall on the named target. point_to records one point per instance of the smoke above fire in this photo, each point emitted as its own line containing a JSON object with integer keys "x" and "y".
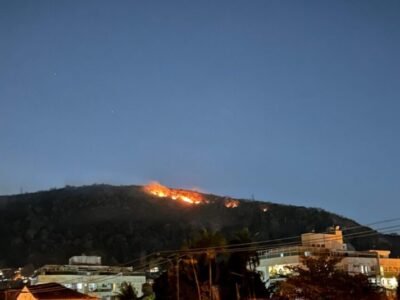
{"x": 162, "y": 191}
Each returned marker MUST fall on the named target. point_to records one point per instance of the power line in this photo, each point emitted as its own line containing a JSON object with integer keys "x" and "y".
{"x": 366, "y": 233}
{"x": 236, "y": 248}
{"x": 297, "y": 237}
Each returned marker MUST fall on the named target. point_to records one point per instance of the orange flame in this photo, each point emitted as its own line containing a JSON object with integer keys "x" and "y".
{"x": 161, "y": 191}
{"x": 230, "y": 203}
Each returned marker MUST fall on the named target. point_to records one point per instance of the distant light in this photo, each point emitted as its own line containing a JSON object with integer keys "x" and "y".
{"x": 154, "y": 270}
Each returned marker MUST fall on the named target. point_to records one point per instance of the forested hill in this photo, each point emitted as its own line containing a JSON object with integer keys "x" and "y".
{"x": 120, "y": 223}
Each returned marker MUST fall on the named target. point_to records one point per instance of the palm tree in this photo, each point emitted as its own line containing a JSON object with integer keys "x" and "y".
{"x": 244, "y": 260}
{"x": 127, "y": 292}
{"x": 192, "y": 275}
{"x": 212, "y": 264}
{"x": 242, "y": 278}
{"x": 213, "y": 240}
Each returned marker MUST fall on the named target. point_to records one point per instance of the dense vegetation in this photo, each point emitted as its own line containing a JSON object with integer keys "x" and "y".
{"x": 121, "y": 223}
{"x": 216, "y": 271}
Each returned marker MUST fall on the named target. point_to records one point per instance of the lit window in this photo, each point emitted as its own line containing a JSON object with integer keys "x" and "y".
{"x": 92, "y": 287}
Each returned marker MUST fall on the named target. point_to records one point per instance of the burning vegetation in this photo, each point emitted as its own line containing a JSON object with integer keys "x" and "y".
{"x": 161, "y": 191}
{"x": 230, "y": 203}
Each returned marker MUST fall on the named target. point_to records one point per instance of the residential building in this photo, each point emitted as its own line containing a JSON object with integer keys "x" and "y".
{"x": 85, "y": 274}
{"x": 375, "y": 264}
{"x": 389, "y": 269}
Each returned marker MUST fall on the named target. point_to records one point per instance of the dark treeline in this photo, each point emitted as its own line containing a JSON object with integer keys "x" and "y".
{"x": 121, "y": 223}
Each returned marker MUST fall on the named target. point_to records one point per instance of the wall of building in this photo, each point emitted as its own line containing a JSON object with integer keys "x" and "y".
{"x": 276, "y": 267}
{"x": 390, "y": 266}
{"x": 273, "y": 265}
{"x": 376, "y": 263}
{"x": 97, "y": 285}
{"x": 323, "y": 240}
{"x": 360, "y": 265}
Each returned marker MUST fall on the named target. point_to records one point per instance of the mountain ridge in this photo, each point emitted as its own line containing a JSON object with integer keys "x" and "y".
{"x": 121, "y": 223}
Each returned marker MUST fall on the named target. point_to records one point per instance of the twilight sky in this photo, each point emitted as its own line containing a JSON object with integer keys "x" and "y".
{"x": 290, "y": 101}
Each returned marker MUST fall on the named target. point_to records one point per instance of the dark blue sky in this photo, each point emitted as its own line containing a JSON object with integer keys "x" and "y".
{"x": 290, "y": 101}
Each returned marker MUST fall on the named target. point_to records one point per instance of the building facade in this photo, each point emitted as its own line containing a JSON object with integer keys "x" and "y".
{"x": 375, "y": 264}
{"x": 86, "y": 275}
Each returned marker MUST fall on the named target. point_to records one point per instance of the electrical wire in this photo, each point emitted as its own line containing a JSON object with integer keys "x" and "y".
{"x": 237, "y": 248}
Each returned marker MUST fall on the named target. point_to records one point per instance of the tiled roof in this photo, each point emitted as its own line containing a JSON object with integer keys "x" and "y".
{"x": 54, "y": 291}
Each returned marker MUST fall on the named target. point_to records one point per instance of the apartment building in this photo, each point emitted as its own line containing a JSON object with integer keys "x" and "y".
{"x": 86, "y": 274}
{"x": 375, "y": 264}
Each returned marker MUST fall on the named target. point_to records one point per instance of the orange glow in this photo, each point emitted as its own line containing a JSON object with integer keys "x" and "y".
{"x": 161, "y": 191}
{"x": 230, "y": 203}
{"x": 264, "y": 208}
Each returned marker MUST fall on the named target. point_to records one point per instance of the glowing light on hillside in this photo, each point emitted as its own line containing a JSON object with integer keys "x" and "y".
{"x": 230, "y": 203}
{"x": 162, "y": 191}
{"x": 264, "y": 208}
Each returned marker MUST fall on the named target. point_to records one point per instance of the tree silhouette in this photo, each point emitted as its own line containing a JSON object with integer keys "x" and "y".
{"x": 319, "y": 278}
{"x": 398, "y": 287}
{"x": 208, "y": 263}
{"x": 241, "y": 280}
{"x": 127, "y": 292}
{"x": 232, "y": 274}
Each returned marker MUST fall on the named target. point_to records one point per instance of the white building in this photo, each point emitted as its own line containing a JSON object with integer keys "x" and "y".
{"x": 375, "y": 264}
{"x": 85, "y": 274}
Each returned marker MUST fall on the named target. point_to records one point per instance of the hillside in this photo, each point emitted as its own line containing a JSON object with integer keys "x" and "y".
{"x": 120, "y": 223}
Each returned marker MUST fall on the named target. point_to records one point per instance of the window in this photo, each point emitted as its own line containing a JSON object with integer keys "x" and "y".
{"x": 92, "y": 287}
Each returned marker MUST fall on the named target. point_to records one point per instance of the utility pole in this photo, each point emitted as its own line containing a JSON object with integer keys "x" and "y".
{"x": 177, "y": 280}
{"x": 195, "y": 278}
{"x": 210, "y": 275}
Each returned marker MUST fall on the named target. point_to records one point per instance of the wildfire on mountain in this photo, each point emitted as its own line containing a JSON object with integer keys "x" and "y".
{"x": 230, "y": 203}
{"x": 162, "y": 191}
